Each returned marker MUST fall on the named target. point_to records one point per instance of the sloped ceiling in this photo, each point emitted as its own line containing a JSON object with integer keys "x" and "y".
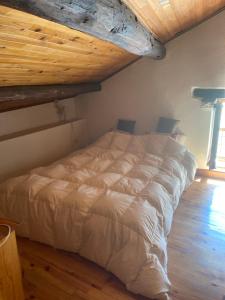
{"x": 34, "y": 51}
{"x": 167, "y": 18}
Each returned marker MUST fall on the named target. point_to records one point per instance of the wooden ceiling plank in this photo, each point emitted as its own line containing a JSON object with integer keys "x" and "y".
{"x": 46, "y": 44}
{"x": 49, "y": 28}
{"x": 26, "y": 60}
{"x": 33, "y": 70}
{"x": 187, "y": 14}
{"x": 155, "y": 18}
{"x": 108, "y": 20}
{"x": 21, "y": 41}
{"x": 73, "y": 70}
{"x": 43, "y": 26}
{"x": 29, "y": 72}
{"x": 198, "y": 11}
{"x": 169, "y": 20}
{"x": 50, "y": 41}
{"x": 58, "y": 31}
{"x": 65, "y": 65}
{"x": 22, "y": 61}
{"x": 24, "y": 50}
{"x": 172, "y": 17}
{"x": 62, "y": 72}
{"x": 43, "y": 67}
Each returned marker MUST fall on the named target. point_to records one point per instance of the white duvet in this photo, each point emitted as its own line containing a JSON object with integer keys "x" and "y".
{"x": 112, "y": 203}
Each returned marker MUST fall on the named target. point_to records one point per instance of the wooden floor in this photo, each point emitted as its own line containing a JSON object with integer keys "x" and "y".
{"x": 196, "y": 257}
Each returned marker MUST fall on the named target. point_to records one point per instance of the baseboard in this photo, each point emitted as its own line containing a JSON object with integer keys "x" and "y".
{"x": 210, "y": 174}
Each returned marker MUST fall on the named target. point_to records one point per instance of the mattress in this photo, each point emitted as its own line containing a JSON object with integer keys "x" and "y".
{"x": 112, "y": 202}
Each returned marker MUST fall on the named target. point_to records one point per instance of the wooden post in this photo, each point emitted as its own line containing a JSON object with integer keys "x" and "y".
{"x": 10, "y": 272}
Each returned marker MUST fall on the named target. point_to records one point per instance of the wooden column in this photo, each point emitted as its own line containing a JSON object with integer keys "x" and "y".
{"x": 10, "y": 272}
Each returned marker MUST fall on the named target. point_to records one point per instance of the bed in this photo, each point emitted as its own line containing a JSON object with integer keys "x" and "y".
{"x": 112, "y": 202}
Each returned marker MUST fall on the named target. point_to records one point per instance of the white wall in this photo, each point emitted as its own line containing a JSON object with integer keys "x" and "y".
{"x": 39, "y": 148}
{"x": 23, "y": 152}
{"x": 149, "y": 89}
{"x": 36, "y": 116}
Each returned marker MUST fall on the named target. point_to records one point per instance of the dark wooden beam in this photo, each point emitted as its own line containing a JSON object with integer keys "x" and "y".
{"x": 17, "y": 97}
{"x": 209, "y": 95}
{"x": 109, "y": 20}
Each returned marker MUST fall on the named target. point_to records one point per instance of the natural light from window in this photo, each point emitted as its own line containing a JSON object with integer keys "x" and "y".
{"x": 220, "y": 159}
{"x": 217, "y": 207}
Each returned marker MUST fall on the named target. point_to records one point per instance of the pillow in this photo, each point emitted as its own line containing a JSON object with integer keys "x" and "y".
{"x": 126, "y": 125}
{"x": 166, "y": 125}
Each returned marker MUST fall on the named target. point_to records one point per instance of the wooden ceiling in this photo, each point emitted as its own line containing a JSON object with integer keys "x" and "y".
{"x": 175, "y": 16}
{"x": 34, "y": 51}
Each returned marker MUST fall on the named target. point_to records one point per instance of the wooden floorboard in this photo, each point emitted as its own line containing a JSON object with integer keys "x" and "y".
{"x": 196, "y": 257}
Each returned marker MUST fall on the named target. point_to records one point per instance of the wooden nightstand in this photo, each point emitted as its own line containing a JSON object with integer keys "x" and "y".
{"x": 10, "y": 272}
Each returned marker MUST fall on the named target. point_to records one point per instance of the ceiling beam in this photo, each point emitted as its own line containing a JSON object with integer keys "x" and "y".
{"x": 109, "y": 20}
{"x": 208, "y": 96}
{"x": 16, "y": 97}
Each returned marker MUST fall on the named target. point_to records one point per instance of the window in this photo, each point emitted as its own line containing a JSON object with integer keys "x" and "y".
{"x": 220, "y": 156}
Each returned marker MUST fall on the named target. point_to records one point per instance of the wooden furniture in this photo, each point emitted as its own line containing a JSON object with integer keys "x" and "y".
{"x": 10, "y": 273}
